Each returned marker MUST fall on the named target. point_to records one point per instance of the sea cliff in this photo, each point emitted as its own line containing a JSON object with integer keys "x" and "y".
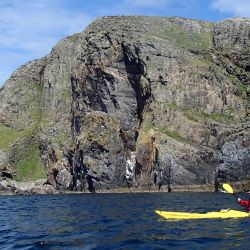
{"x": 132, "y": 102}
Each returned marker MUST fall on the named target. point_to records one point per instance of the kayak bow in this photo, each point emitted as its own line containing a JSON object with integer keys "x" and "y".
{"x": 223, "y": 214}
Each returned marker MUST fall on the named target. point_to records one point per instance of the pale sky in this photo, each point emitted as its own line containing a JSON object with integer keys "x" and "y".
{"x": 30, "y": 28}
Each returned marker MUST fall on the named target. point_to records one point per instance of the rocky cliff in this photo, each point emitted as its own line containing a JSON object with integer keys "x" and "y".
{"x": 132, "y": 101}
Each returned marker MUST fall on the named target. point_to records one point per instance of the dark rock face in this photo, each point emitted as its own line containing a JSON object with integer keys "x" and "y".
{"x": 135, "y": 101}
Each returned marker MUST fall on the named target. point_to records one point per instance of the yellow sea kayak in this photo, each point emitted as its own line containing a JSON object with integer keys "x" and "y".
{"x": 210, "y": 215}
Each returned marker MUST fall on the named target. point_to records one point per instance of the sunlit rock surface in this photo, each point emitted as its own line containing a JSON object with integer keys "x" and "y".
{"x": 130, "y": 100}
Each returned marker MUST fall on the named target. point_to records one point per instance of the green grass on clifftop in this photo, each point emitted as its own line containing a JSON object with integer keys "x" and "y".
{"x": 178, "y": 35}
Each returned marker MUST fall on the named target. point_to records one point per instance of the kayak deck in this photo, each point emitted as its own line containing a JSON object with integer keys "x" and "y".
{"x": 209, "y": 215}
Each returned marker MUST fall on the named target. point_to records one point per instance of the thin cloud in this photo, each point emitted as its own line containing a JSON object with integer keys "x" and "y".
{"x": 235, "y": 7}
{"x": 150, "y": 3}
{"x": 147, "y": 7}
{"x": 32, "y": 28}
{"x": 156, "y": 4}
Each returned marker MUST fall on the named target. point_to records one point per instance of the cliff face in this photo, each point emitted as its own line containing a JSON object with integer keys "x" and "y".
{"x": 135, "y": 101}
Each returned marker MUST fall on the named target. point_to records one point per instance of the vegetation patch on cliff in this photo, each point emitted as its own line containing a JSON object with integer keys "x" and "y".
{"x": 242, "y": 89}
{"x": 167, "y": 131}
{"x": 197, "y": 115}
{"x": 174, "y": 134}
{"x": 9, "y": 135}
{"x": 189, "y": 39}
{"x": 30, "y": 167}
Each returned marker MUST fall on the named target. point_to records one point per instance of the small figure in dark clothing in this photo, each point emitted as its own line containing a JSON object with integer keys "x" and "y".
{"x": 160, "y": 179}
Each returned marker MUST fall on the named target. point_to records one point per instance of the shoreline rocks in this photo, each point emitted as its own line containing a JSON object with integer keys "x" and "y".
{"x": 41, "y": 188}
{"x": 31, "y": 187}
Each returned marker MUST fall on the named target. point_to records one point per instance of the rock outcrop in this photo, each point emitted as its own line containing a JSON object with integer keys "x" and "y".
{"x": 132, "y": 101}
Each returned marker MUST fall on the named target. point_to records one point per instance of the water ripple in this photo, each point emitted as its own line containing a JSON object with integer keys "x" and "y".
{"x": 117, "y": 221}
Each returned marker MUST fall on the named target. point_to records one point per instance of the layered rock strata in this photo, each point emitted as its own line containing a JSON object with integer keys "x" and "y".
{"x": 132, "y": 101}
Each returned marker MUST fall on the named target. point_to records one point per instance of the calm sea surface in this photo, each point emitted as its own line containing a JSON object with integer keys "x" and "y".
{"x": 118, "y": 221}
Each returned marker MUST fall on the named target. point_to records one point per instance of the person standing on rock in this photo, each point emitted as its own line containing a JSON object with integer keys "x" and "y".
{"x": 160, "y": 179}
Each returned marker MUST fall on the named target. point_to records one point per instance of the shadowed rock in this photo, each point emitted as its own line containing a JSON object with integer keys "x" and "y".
{"x": 154, "y": 87}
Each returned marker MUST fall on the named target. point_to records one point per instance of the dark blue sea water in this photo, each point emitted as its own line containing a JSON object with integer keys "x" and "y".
{"x": 118, "y": 221}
